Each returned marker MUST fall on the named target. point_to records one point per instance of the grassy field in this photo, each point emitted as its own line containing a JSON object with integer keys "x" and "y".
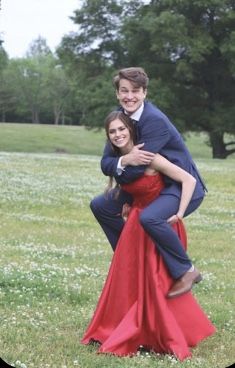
{"x": 50, "y": 139}
{"x": 71, "y": 139}
{"x": 54, "y": 257}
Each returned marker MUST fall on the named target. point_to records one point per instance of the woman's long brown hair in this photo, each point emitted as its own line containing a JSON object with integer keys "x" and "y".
{"x": 130, "y": 126}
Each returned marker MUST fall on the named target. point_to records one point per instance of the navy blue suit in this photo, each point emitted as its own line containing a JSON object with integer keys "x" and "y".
{"x": 158, "y": 135}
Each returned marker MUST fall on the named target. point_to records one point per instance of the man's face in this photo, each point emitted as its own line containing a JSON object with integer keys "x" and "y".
{"x": 129, "y": 96}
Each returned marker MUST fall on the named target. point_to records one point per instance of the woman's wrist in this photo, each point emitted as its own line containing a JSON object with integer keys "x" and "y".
{"x": 179, "y": 216}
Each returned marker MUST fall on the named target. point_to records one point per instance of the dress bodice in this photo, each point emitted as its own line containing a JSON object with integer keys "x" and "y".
{"x": 145, "y": 189}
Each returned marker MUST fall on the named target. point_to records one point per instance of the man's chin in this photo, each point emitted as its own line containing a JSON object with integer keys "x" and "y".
{"x": 130, "y": 110}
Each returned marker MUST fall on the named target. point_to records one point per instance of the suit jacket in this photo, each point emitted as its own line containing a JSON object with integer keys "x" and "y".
{"x": 159, "y": 135}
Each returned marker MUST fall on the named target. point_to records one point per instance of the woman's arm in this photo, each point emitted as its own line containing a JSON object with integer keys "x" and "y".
{"x": 174, "y": 172}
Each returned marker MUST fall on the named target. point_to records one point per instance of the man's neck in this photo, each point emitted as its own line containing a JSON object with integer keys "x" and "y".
{"x": 137, "y": 114}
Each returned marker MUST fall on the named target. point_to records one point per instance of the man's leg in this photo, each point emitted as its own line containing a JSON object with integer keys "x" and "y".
{"x": 154, "y": 220}
{"x": 107, "y": 208}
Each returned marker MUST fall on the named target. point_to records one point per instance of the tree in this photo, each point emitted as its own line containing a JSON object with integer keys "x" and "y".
{"x": 5, "y": 100}
{"x": 191, "y": 51}
{"x": 8, "y": 98}
{"x": 3, "y": 58}
{"x": 28, "y": 75}
{"x": 186, "y": 47}
{"x": 57, "y": 88}
{"x": 38, "y": 48}
{"x": 91, "y": 55}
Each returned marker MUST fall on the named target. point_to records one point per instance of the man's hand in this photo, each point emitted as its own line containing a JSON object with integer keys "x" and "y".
{"x": 137, "y": 157}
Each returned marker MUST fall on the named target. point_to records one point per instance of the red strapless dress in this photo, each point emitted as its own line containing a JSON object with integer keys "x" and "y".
{"x": 133, "y": 310}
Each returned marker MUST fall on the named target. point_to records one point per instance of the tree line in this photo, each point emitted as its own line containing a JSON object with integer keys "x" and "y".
{"x": 185, "y": 46}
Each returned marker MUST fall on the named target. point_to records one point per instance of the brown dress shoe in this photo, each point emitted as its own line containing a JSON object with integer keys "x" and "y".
{"x": 185, "y": 283}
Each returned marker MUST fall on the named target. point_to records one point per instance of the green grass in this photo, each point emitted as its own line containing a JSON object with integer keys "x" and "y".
{"x": 75, "y": 140}
{"x": 72, "y": 140}
{"x": 50, "y": 139}
{"x": 36, "y": 138}
{"x": 55, "y": 258}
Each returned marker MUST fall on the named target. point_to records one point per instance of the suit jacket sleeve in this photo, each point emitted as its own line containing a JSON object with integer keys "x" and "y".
{"x": 155, "y": 134}
{"x": 109, "y": 163}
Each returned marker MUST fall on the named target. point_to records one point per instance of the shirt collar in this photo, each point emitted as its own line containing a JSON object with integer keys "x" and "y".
{"x": 137, "y": 114}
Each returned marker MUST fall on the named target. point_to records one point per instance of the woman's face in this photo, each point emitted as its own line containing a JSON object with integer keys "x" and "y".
{"x": 119, "y": 136}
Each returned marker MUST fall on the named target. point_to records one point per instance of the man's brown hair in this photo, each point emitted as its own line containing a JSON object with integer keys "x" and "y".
{"x": 135, "y": 75}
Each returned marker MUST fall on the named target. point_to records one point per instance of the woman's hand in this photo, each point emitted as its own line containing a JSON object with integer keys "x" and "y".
{"x": 125, "y": 211}
{"x": 173, "y": 219}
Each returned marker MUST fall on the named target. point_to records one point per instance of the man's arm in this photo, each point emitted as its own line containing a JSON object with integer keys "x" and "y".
{"x": 109, "y": 164}
{"x": 137, "y": 156}
{"x": 154, "y": 134}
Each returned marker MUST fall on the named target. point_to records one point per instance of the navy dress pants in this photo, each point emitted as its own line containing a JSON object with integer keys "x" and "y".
{"x": 107, "y": 209}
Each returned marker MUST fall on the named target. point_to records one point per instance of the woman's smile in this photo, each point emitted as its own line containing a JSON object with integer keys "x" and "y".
{"x": 119, "y": 135}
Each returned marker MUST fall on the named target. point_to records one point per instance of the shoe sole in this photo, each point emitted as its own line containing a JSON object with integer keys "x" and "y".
{"x": 197, "y": 279}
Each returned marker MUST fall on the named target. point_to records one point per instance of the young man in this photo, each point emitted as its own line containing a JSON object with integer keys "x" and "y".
{"x": 155, "y": 133}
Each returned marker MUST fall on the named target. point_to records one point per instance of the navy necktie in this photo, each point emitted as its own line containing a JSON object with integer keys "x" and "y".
{"x": 136, "y": 125}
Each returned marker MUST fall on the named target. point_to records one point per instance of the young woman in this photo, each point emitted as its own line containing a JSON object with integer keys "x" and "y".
{"x": 133, "y": 310}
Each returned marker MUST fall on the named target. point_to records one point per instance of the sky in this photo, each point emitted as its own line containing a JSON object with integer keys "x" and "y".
{"x": 22, "y": 21}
